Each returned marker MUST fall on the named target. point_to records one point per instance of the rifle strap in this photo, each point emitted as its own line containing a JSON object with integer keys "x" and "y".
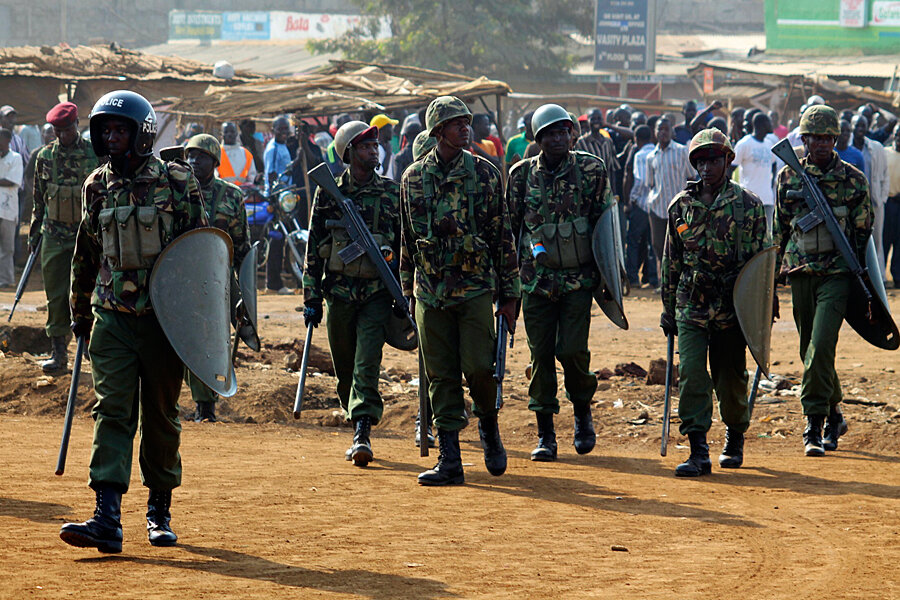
{"x": 739, "y": 224}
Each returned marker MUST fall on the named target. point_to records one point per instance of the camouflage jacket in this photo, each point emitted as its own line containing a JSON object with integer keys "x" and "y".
{"x": 700, "y": 263}
{"x": 225, "y": 209}
{"x": 457, "y": 242}
{"x": 59, "y": 167}
{"x": 172, "y": 189}
{"x": 535, "y": 194}
{"x": 378, "y": 201}
{"x": 843, "y": 186}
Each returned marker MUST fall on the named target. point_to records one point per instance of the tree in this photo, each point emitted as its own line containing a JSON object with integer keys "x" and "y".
{"x": 490, "y": 37}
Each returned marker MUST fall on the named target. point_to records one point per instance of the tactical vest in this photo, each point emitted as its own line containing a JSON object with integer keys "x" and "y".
{"x": 362, "y": 266}
{"x": 63, "y": 202}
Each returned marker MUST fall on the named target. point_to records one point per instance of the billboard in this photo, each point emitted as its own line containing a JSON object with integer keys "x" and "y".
{"x": 264, "y": 25}
{"x": 245, "y": 26}
{"x": 194, "y": 25}
{"x": 625, "y": 35}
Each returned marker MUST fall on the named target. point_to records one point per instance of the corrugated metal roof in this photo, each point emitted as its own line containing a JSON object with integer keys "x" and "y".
{"x": 269, "y": 58}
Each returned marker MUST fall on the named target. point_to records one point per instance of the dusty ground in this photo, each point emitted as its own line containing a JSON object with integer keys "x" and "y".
{"x": 269, "y": 508}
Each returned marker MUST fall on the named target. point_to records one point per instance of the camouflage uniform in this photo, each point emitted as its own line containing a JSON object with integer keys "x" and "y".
{"x": 457, "y": 252}
{"x": 820, "y": 281}
{"x": 358, "y": 308}
{"x": 557, "y": 301}
{"x": 699, "y": 268}
{"x": 137, "y": 375}
{"x": 58, "y": 176}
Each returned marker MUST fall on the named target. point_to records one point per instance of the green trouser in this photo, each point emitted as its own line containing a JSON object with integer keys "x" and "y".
{"x": 137, "y": 379}
{"x": 200, "y": 392}
{"x": 820, "y": 303}
{"x": 56, "y": 268}
{"x": 356, "y": 333}
{"x": 459, "y": 340}
{"x": 558, "y": 330}
{"x": 727, "y": 354}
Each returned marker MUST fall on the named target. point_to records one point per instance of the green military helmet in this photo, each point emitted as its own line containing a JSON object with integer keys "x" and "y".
{"x": 710, "y": 139}
{"x": 820, "y": 119}
{"x": 547, "y": 115}
{"x": 442, "y": 109}
{"x": 422, "y": 144}
{"x": 345, "y": 134}
{"x": 206, "y": 143}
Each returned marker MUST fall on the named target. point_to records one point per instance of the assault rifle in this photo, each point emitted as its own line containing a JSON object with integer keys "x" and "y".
{"x": 23, "y": 281}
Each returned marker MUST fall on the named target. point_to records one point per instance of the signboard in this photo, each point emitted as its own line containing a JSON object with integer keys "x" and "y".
{"x": 245, "y": 26}
{"x": 307, "y": 26}
{"x": 885, "y": 14}
{"x": 625, "y": 35}
{"x": 193, "y": 25}
{"x": 853, "y": 13}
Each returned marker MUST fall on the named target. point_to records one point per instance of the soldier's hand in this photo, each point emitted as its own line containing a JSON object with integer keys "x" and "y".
{"x": 509, "y": 309}
{"x": 82, "y": 328}
{"x": 312, "y": 312}
{"x": 667, "y": 323}
{"x": 776, "y": 309}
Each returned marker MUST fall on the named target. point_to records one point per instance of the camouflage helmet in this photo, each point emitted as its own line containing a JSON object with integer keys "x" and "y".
{"x": 547, "y": 115}
{"x": 442, "y": 109}
{"x": 710, "y": 139}
{"x": 208, "y": 144}
{"x": 422, "y": 144}
{"x": 820, "y": 119}
{"x": 345, "y": 135}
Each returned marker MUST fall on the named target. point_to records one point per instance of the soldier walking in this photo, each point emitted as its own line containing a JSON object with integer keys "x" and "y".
{"x": 457, "y": 253}
{"x": 359, "y": 305}
{"x": 134, "y": 205}
{"x": 60, "y": 170}
{"x": 715, "y": 226}
{"x": 556, "y": 199}
{"x": 819, "y": 276}
{"x": 224, "y": 205}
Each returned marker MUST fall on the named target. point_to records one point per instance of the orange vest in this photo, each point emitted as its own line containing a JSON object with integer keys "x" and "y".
{"x": 226, "y": 171}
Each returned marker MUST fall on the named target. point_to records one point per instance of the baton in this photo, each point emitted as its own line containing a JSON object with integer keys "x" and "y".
{"x": 752, "y": 399}
{"x": 26, "y": 273}
{"x": 424, "y": 406}
{"x": 298, "y": 399}
{"x": 670, "y": 358}
{"x": 70, "y": 409}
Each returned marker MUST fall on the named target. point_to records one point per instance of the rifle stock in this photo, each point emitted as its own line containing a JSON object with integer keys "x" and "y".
{"x": 298, "y": 397}
{"x": 70, "y": 408}
{"x": 26, "y": 273}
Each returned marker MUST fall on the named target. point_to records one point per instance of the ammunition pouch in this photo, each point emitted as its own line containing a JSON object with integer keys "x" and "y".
{"x": 704, "y": 286}
{"x": 466, "y": 253}
{"x": 568, "y": 244}
{"x": 132, "y": 235}
{"x": 63, "y": 203}
{"x": 361, "y": 267}
{"x": 818, "y": 240}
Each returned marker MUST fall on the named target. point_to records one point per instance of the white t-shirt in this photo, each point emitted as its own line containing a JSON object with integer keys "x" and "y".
{"x": 755, "y": 160}
{"x": 10, "y": 168}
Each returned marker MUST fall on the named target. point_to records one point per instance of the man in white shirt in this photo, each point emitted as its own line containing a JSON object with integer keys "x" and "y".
{"x": 756, "y": 163}
{"x": 877, "y": 174}
{"x": 237, "y": 162}
{"x": 11, "y": 170}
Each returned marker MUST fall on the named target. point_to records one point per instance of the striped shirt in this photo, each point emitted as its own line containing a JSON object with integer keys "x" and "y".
{"x": 640, "y": 192}
{"x": 601, "y": 147}
{"x": 668, "y": 170}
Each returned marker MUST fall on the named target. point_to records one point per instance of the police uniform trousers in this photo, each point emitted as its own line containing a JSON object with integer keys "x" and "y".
{"x": 56, "y": 269}
{"x": 727, "y": 375}
{"x": 137, "y": 379}
{"x": 200, "y": 392}
{"x": 356, "y": 333}
{"x": 558, "y": 330}
{"x": 458, "y": 341}
{"x": 820, "y": 303}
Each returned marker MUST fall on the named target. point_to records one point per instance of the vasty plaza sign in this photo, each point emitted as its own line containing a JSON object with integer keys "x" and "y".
{"x": 625, "y": 35}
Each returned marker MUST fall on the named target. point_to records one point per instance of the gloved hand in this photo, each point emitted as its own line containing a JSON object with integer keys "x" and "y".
{"x": 776, "y": 309}
{"x": 82, "y": 328}
{"x": 667, "y": 323}
{"x": 510, "y": 310}
{"x": 312, "y": 312}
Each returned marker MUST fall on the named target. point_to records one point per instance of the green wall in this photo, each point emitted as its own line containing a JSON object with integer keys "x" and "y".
{"x": 817, "y": 33}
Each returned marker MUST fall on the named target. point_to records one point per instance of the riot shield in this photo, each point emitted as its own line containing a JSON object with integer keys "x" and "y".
{"x": 247, "y": 283}
{"x": 606, "y": 244}
{"x": 190, "y": 295}
{"x": 399, "y": 333}
{"x": 873, "y": 323}
{"x": 753, "y": 296}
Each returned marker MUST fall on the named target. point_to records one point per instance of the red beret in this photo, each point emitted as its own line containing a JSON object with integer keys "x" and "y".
{"x": 367, "y": 134}
{"x": 63, "y": 114}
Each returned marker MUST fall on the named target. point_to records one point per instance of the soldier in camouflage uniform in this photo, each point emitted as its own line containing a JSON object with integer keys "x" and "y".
{"x": 457, "y": 253}
{"x": 556, "y": 199}
{"x": 134, "y": 206}
{"x": 715, "y": 226}
{"x": 358, "y": 304}
{"x": 60, "y": 170}
{"x": 422, "y": 145}
{"x": 819, "y": 276}
{"x": 224, "y": 209}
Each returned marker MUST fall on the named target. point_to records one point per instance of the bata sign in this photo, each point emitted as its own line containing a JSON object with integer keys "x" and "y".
{"x": 305, "y": 26}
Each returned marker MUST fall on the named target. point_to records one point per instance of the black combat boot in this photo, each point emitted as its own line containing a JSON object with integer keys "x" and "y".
{"x": 835, "y": 427}
{"x": 59, "y": 355}
{"x": 427, "y": 432}
{"x": 697, "y": 463}
{"x": 103, "y": 531}
{"x": 585, "y": 438}
{"x": 158, "y": 530}
{"x": 362, "y": 448}
{"x": 732, "y": 455}
{"x": 546, "y": 446}
{"x": 448, "y": 470}
{"x": 206, "y": 412}
{"x": 494, "y": 452}
{"x": 812, "y": 436}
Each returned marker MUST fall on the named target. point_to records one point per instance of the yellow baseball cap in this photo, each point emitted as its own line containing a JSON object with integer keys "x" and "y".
{"x": 380, "y": 121}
